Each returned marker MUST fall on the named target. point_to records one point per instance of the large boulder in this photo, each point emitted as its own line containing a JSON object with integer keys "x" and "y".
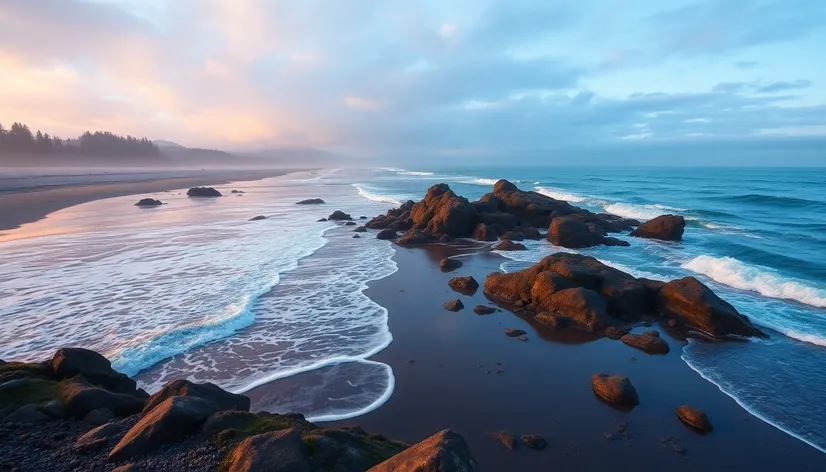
{"x": 148, "y": 202}
{"x": 449, "y": 264}
{"x": 168, "y": 422}
{"x": 615, "y": 389}
{"x": 387, "y": 234}
{"x": 71, "y": 361}
{"x": 465, "y": 284}
{"x": 572, "y": 233}
{"x": 690, "y": 301}
{"x": 339, "y": 215}
{"x": 219, "y": 397}
{"x": 79, "y": 397}
{"x": 663, "y": 227}
{"x": 445, "y": 451}
{"x": 443, "y": 212}
{"x": 584, "y": 307}
{"x": 203, "y": 192}
{"x": 272, "y": 451}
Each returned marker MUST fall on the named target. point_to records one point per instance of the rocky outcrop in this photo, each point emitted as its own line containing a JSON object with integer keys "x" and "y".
{"x": 507, "y": 213}
{"x": 663, "y": 227}
{"x": 262, "y": 452}
{"x": 414, "y": 238}
{"x": 691, "y": 302}
{"x": 466, "y": 285}
{"x": 339, "y": 215}
{"x": 453, "y": 305}
{"x": 445, "y": 451}
{"x": 571, "y": 289}
{"x": 203, "y": 192}
{"x": 615, "y": 389}
{"x": 212, "y": 393}
{"x": 169, "y": 421}
{"x": 69, "y": 362}
{"x": 648, "y": 342}
{"x": 148, "y": 202}
{"x": 575, "y": 232}
{"x": 694, "y": 418}
{"x": 311, "y": 201}
{"x": 449, "y": 264}
{"x": 387, "y": 234}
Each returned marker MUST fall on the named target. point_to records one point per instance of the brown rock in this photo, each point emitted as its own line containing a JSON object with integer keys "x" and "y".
{"x": 505, "y": 438}
{"x": 453, "y": 305}
{"x": 71, "y": 361}
{"x": 172, "y": 419}
{"x": 689, "y": 301}
{"x": 463, "y": 284}
{"x": 80, "y": 397}
{"x": 663, "y": 227}
{"x": 507, "y": 245}
{"x": 446, "y": 451}
{"x": 514, "y": 333}
{"x": 694, "y": 418}
{"x": 647, "y": 343}
{"x": 387, "y": 234}
{"x": 584, "y": 307}
{"x": 273, "y": 451}
{"x": 554, "y": 320}
{"x": 484, "y": 232}
{"x": 443, "y": 212}
{"x": 449, "y": 264}
{"x": 414, "y": 238}
{"x": 483, "y": 310}
{"x": 615, "y": 332}
{"x": 222, "y": 399}
{"x": 614, "y": 389}
{"x": 97, "y": 437}
{"x": 534, "y": 441}
{"x": 572, "y": 233}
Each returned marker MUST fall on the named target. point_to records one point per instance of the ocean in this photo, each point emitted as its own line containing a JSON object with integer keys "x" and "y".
{"x": 192, "y": 289}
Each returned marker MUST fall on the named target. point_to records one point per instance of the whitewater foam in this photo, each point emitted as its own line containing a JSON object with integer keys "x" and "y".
{"x": 560, "y": 194}
{"x": 374, "y": 197}
{"x": 735, "y": 273}
{"x": 479, "y": 181}
{"x": 640, "y": 212}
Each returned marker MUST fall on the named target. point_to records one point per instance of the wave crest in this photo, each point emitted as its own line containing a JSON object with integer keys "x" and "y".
{"x": 374, "y": 197}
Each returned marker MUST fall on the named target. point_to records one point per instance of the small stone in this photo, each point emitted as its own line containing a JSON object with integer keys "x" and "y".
{"x": 534, "y": 441}
{"x": 514, "y": 333}
{"x": 505, "y": 438}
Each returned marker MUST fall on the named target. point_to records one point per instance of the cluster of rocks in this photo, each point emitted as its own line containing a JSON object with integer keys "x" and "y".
{"x": 511, "y": 214}
{"x": 580, "y": 291}
{"x": 94, "y": 418}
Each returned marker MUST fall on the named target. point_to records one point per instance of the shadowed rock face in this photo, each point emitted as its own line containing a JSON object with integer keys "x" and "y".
{"x": 507, "y": 212}
{"x": 663, "y": 227}
{"x": 615, "y": 389}
{"x": 203, "y": 192}
{"x": 339, "y": 215}
{"x": 262, "y": 451}
{"x": 445, "y": 451}
{"x": 212, "y": 393}
{"x": 694, "y": 418}
{"x": 148, "y": 202}
{"x": 71, "y": 361}
{"x": 571, "y": 289}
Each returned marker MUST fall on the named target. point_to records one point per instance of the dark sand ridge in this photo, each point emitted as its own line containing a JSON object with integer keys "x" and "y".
{"x": 545, "y": 387}
{"x": 28, "y": 199}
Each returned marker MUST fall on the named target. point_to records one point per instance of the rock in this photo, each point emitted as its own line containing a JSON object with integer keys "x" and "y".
{"x": 148, "y": 202}
{"x": 272, "y": 451}
{"x": 614, "y": 332}
{"x": 415, "y": 238}
{"x": 484, "y": 232}
{"x": 647, "y": 343}
{"x": 258, "y": 218}
{"x": 691, "y": 302}
{"x": 350, "y": 223}
{"x": 463, "y": 284}
{"x": 132, "y": 467}
{"x": 321, "y": 220}
{"x": 573, "y": 233}
{"x": 505, "y": 438}
{"x": 339, "y": 215}
{"x": 534, "y": 441}
{"x": 615, "y": 389}
{"x": 71, "y": 361}
{"x": 97, "y": 436}
{"x": 507, "y": 245}
{"x": 652, "y": 332}
{"x": 212, "y": 393}
{"x": 236, "y": 191}
{"x": 513, "y": 236}
{"x": 530, "y": 232}
{"x": 514, "y": 333}
{"x": 445, "y": 451}
{"x": 483, "y": 310}
{"x": 554, "y": 320}
{"x": 168, "y": 422}
{"x": 663, "y": 227}
{"x": 203, "y": 192}
{"x": 54, "y": 408}
{"x": 360, "y": 229}
{"x": 311, "y": 201}
{"x": 79, "y": 397}
{"x": 499, "y": 219}
{"x": 449, "y": 264}
{"x": 27, "y": 414}
{"x": 694, "y": 418}
{"x": 355, "y": 236}
{"x": 443, "y": 212}
{"x": 615, "y": 242}
{"x": 584, "y": 307}
{"x": 453, "y": 305}
{"x": 387, "y": 234}
{"x": 98, "y": 417}
{"x": 362, "y": 217}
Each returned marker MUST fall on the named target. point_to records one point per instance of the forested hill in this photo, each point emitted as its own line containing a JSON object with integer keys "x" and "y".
{"x": 19, "y": 139}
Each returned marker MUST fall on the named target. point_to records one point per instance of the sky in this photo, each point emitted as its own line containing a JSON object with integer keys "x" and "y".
{"x": 460, "y": 81}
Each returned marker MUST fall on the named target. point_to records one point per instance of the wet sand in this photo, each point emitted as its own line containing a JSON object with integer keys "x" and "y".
{"x": 25, "y": 197}
{"x": 445, "y": 369}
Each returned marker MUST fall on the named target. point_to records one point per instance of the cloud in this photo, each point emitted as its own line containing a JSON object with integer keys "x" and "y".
{"x": 781, "y": 86}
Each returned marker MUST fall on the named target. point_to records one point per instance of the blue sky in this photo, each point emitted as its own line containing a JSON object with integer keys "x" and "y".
{"x": 460, "y": 81}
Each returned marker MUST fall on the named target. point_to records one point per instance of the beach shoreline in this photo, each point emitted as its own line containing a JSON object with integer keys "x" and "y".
{"x": 29, "y": 198}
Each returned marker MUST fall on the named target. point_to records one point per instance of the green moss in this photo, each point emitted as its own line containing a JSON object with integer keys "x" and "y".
{"x": 381, "y": 450}
{"x": 310, "y": 443}
{"x": 30, "y": 390}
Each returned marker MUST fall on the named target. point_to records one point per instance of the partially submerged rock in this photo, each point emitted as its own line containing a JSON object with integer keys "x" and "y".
{"x": 453, "y": 305}
{"x": 387, "y": 234}
{"x": 148, "y": 202}
{"x": 445, "y": 451}
{"x": 449, "y": 264}
{"x": 258, "y": 218}
{"x": 507, "y": 245}
{"x": 203, "y": 192}
{"x": 694, "y": 418}
{"x": 311, "y": 201}
{"x": 360, "y": 229}
{"x": 663, "y": 227}
{"x": 483, "y": 310}
{"x": 339, "y": 215}
{"x": 514, "y": 333}
{"x": 615, "y": 389}
{"x": 466, "y": 284}
{"x": 646, "y": 342}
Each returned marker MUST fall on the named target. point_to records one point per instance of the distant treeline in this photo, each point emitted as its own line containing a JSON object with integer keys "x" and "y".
{"x": 19, "y": 139}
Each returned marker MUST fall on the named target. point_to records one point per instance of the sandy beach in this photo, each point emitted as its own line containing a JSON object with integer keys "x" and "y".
{"x": 27, "y": 196}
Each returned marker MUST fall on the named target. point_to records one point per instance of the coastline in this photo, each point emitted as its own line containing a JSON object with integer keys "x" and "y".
{"x": 35, "y": 200}
{"x": 445, "y": 377}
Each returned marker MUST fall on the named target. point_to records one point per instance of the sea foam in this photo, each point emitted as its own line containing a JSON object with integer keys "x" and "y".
{"x": 374, "y": 197}
{"x": 735, "y": 273}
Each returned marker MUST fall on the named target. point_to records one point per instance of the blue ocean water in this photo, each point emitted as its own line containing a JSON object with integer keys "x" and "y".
{"x": 757, "y": 236}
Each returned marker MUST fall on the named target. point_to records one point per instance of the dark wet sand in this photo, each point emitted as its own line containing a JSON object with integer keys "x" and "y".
{"x": 28, "y": 198}
{"x": 545, "y": 388}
